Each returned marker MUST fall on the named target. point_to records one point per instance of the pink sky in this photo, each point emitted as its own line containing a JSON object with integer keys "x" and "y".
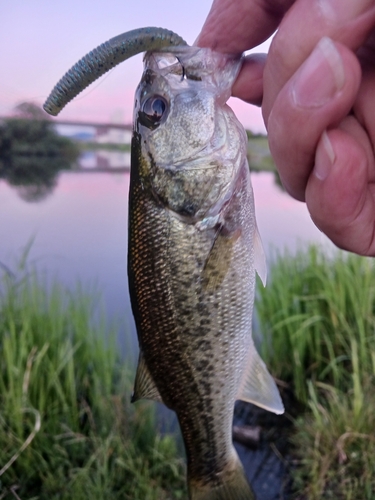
{"x": 41, "y": 40}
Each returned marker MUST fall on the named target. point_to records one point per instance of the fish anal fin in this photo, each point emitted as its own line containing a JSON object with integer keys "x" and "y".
{"x": 260, "y": 258}
{"x": 258, "y": 387}
{"x": 144, "y": 385}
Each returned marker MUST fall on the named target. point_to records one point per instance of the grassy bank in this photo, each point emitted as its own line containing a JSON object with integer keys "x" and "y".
{"x": 318, "y": 317}
{"x": 258, "y": 154}
{"x": 67, "y": 429}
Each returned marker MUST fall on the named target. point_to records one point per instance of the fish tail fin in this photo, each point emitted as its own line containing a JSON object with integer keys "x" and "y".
{"x": 230, "y": 484}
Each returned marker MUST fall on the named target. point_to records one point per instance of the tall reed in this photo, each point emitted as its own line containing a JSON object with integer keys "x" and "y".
{"x": 314, "y": 309}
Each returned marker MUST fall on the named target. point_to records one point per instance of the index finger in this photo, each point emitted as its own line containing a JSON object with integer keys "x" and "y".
{"x": 232, "y": 26}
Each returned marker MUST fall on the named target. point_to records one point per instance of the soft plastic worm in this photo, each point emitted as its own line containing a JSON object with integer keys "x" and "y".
{"x": 105, "y": 57}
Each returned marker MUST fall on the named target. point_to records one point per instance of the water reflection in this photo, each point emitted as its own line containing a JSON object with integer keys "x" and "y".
{"x": 283, "y": 222}
{"x": 104, "y": 160}
{"x": 33, "y": 177}
{"x": 32, "y": 153}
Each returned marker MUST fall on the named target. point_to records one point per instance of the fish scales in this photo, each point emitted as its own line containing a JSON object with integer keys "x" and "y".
{"x": 190, "y": 337}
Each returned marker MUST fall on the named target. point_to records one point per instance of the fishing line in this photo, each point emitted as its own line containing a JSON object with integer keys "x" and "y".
{"x": 85, "y": 94}
{"x": 95, "y": 86}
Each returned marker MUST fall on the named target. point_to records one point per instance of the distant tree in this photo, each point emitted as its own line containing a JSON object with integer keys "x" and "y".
{"x": 30, "y": 132}
{"x": 30, "y": 111}
{"x": 31, "y": 151}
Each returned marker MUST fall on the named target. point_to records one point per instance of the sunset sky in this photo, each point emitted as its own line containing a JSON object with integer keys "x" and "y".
{"x": 40, "y": 40}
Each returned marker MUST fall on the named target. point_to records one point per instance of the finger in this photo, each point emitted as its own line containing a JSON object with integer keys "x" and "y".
{"x": 317, "y": 97}
{"x": 364, "y": 107}
{"x": 232, "y": 27}
{"x": 340, "y": 193}
{"x": 346, "y": 21}
{"x": 249, "y": 83}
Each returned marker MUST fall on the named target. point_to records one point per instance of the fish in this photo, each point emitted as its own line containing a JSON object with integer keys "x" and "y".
{"x": 193, "y": 247}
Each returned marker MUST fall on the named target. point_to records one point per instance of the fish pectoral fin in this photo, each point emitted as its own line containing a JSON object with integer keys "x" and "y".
{"x": 218, "y": 260}
{"x": 260, "y": 258}
{"x": 258, "y": 387}
{"x": 144, "y": 385}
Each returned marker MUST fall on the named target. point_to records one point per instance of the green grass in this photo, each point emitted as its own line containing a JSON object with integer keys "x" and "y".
{"x": 259, "y": 156}
{"x": 334, "y": 445}
{"x": 317, "y": 315}
{"x": 67, "y": 430}
{"x": 312, "y": 312}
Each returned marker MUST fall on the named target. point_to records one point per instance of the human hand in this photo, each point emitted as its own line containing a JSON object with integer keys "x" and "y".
{"x": 318, "y": 101}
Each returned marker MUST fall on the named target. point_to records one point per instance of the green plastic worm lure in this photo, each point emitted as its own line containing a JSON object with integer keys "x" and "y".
{"x": 105, "y": 57}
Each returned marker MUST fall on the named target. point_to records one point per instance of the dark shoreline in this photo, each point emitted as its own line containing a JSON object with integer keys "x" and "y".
{"x": 269, "y": 461}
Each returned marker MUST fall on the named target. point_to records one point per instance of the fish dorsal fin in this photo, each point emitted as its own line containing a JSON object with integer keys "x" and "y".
{"x": 258, "y": 387}
{"x": 144, "y": 385}
{"x": 260, "y": 258}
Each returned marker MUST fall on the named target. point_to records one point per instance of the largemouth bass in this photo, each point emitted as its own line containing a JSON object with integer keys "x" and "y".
{"x": 194, "y": 249}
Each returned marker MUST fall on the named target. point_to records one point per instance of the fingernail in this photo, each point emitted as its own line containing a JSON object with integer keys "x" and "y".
{"x": 325, "y": 158}
{"x": 320, "y": 77}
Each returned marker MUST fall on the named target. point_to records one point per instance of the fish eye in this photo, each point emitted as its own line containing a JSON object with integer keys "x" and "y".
{"x": 154, "y": 107}
{"x": 153, "y": 110}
